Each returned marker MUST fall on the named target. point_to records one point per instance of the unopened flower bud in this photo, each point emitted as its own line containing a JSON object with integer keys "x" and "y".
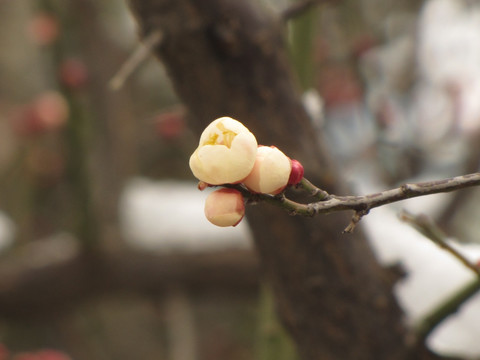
{"x": 52, "y": 110}
{"x": 43, "y": 29}
{"x": 226, "y": 153}
{"x": 73, "y": 73}
{"x": 296, "y": 175}
{"x": 225, "y": 207}
{"x": 202, "y": 185}
{"x": 47, "y": 112}
{"x": 270, "y": 173}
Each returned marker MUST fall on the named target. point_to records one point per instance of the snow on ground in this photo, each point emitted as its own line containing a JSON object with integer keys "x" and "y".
{"x": 433, "y": 274}
{"x": 168, "y": 216}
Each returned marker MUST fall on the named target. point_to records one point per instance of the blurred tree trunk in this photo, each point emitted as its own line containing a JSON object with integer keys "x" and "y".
{"x": 228, "y": 58}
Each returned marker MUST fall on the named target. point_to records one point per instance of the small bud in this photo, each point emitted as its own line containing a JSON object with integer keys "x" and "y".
{"x": 48, "y": 112}
{"x": 226, "y": 153}
{"x": 43, "y": 29}
{"x": 73, "y": 73}
{"x": 225, "y": 207}
{"x": 52, "y": 109}
{"x": 270, "y": 173}
{"x": 296, "y": 175}
{"x": 202, "y": 185}
{"x": 170, "y": 125}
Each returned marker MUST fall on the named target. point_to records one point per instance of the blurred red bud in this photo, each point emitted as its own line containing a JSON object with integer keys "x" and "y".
{"x": 170, "y": 125}
{"x": 73, "y": 73}
{"x": 43, "y": 29}
{"x": 48, "y": 112}
{"x": 4, "y": 353}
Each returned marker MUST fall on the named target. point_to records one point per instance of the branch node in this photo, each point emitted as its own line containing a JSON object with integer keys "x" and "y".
{"x": 357, "y": 216}
{"x": 314, "y": 191}
{"x": 407, "y": 189}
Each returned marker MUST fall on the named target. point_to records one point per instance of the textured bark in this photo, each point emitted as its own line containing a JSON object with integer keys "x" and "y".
{"x": 228, "y": 58}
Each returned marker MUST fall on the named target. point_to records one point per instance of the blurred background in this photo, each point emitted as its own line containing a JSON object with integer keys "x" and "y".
{"x": 91, "y": 170}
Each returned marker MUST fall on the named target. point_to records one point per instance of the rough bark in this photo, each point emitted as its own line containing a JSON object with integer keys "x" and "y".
{"x": 228, "y": 58}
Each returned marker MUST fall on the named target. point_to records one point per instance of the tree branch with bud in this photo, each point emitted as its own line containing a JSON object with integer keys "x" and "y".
{"x": 228, "y": 156}
{"x": 362, "y": 204}
{"x": 327, "y": 203}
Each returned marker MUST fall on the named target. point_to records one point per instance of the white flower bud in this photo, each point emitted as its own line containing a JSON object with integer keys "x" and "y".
{"x": 270, "y": 173}
{"x": 226, "y": 153}
{"x": 225, "y": 207}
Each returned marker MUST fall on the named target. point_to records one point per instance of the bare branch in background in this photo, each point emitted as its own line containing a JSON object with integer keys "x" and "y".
{"x": 139, "y": 55}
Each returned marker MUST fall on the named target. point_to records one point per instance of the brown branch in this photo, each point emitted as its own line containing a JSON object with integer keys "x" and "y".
{"x": 132, "y": 63}
{"x": 362, "y": 204}
{"x": 312, "y": 190}
{"x": 357, "y": 216}
{"x": 406, "y": 191}
{"x": 39, "y": 285}
{"x": 228, "y": 58}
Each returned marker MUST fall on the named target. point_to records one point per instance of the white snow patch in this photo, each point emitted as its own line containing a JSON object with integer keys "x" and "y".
{"x": 433, "y": 274}
{"x": 168, "y": 215}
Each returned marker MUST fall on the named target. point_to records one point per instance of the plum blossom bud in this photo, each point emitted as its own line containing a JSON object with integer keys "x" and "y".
{"x": 47, "y": 112}
{"x": 296, "y": 174}
{"x": 226, "y": 153}
{"x": 225, "y": 207}
{"x": 44, "y": 29}
{"x": 271, "y": 171}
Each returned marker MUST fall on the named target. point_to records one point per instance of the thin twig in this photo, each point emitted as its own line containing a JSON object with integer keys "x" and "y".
{"x": 313, "y": 191}
{"x": 357, "y": 216}
{"x": 431, "y": 231}
{"x": 403, "y": 192}
{"x": 362, "y": 204}
{"x": 140, "y": 54}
